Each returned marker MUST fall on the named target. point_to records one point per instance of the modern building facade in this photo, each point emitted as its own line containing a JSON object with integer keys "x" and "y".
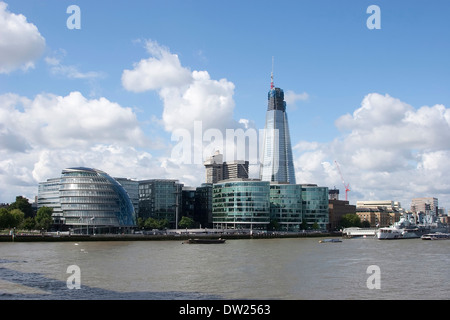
{"x": 286, "y": 206}
{"x": 315, "y": 206}
{"x": 160, "y": 199}
{"x": 203, "y": 205}
{"x": 241, "y": 204}
{"x": 218, "y": 170}
{"x": 255, "y": 204}
{"x": 277, "y": 163}
{"x": 88, "y": 200}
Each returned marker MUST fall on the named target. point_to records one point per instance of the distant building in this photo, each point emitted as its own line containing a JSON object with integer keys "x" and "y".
{"x": 379, "y": 213}
{"x": 424, "y": 205}
{"x": 337, "y": 209}
{"x": 218, "y": 170}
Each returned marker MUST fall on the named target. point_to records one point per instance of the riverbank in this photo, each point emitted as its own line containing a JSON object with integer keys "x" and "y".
{"x": 159, "y": 237}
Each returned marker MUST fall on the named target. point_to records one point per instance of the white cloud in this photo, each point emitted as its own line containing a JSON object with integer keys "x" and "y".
{"x": 20, "y": 41}
{"x": 387, "y": 150}
{"x": 188, "y": 96}
{"x": 41, "y": 136}
{"x": 69, "y": 71}
{"x": 291, "y": 98}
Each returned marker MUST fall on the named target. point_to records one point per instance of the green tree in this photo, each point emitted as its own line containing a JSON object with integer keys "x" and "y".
{"x": 6, "y": 219}
{"x": 28, "y": 224}
{"x": 186, "y": 222}
{"x": 17, "y": 217}
{"x": 23, "y": 205}
{"x": 151, "y": 223}
{"x": 44, "y": 218}
{"x": 350, "y": 220}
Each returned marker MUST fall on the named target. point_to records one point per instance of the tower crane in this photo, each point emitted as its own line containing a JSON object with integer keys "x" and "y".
{"x": 346, "y": 186}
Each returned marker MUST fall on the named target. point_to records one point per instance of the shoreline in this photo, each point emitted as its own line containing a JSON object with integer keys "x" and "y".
{"x": 139, "y": 237}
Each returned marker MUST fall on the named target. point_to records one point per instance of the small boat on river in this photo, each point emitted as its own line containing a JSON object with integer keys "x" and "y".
{"x": 436, "y": 236}
{"x": 205, "y": 241}
{"x": 330, "y": 240}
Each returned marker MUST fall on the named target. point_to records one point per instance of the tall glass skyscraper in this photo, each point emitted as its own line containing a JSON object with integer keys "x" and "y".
{"x": 276, "y": 160}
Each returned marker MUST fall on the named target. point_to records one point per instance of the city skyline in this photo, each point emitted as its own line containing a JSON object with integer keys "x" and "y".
{"x": 111, "y": 94}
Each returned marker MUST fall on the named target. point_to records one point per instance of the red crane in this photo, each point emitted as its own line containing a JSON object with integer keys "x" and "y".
{"x": 346, "y": 186}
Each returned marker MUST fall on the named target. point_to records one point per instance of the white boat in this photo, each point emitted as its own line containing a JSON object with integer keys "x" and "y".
{"x": 436, "y": 236}
{"x": 406, "y": 228}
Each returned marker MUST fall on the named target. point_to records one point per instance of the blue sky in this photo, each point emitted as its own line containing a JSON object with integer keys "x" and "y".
{"x": 344, "y": 74}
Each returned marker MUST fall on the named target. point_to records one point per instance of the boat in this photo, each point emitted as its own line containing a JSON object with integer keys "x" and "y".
{"x": 436, "y": 236}
{"x": 406, "y": 228}
{"x": 205, "y": 241}
{"x": 330, "y": 240}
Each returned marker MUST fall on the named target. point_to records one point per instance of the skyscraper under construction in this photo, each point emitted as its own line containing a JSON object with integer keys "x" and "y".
{"x": 277, "y": 163}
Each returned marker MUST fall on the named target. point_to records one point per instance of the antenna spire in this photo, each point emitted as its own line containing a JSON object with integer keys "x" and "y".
{"x": 271, "y": 77}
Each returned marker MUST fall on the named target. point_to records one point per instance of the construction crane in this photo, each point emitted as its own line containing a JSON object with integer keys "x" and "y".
{"x": 346, "y": 186}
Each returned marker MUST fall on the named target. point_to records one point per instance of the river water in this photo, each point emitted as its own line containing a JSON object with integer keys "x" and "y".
{"x": 282, "y": 269}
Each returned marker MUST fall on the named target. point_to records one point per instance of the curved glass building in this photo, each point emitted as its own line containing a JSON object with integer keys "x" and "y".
{"x": 89, "y": 201}
{"x": 241, "y": 204}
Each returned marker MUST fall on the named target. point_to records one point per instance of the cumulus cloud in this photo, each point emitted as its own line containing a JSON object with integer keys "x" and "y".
{"x": 387, "y": 150}
{"x": 41, "y": 136}
{"x": 188, "y": 96}
{"x": 20, "y": 41}
{"x": 195, "y": 105}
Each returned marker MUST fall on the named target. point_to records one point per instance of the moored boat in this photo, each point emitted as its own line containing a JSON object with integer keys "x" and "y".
{"x": 436, "y": 236}
{"x": 205, "y": 241}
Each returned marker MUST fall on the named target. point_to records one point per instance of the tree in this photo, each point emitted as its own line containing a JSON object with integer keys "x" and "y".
{"x": 23, "y": 205}
{"x": 17, "y": 217}
{"x": 6, "y": 219}
{"x": 44, "y": 218}
{"x": 186, "y": 222}
{"x": 350, "y": 220}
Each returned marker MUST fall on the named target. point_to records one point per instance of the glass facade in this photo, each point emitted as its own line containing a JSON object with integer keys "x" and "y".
{"x": 160, "y": 199}
{"x": 315, "y": 206}
{"x": 48, "y": 196}
{"x": 92, "y": 198}
{"x": 88, "y": 201}
{"x": 241, "y": 204}
{"x": 286, "y": 206}
{"x": 277, "y": 162}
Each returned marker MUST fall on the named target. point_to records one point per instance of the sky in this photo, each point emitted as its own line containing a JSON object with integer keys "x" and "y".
{"x": 138, "y": 89}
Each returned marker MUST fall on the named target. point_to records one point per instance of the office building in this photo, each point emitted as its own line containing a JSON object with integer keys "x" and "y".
{"x": 218, "y": 170}
{"x": 241, "y": 204}
{"x": 277, "y": 163}
{"x": 87, "y": 200}
{"x": 286, "y": 206}
{"x": 315, "y": 206}
{"x": 160, "y": 199}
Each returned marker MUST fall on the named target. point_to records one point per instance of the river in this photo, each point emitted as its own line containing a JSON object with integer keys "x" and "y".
{"x": 281, "y": 269}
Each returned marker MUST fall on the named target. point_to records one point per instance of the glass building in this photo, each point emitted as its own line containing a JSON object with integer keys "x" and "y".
{"x": 315, "y": 206}
{"x": 286, "y": 206}
{"x": 276, "y": 160}
{"x": 241, "y": 204}
{"x": 90, "y": 201}
{"x": 160, "y": 199}
{"x": 48, "y": 196}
